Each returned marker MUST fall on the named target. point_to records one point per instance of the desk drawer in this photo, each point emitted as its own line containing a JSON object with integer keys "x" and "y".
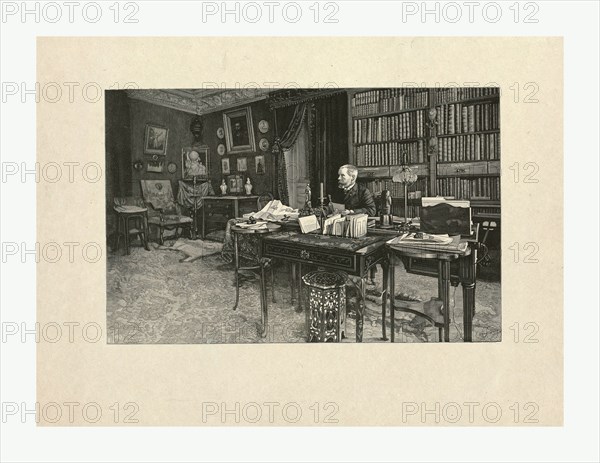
{"x": 309, "y": 256}
{"x": 219, "y": 209}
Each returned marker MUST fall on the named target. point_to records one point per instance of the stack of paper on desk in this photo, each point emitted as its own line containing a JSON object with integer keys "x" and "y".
{"x": 357, "y": 225}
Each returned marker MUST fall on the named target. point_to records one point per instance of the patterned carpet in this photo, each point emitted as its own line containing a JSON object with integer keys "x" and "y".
{"x": 155, "y": 297}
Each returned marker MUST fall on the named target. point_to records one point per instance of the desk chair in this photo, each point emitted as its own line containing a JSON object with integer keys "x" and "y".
{"x": 250, "y": 250}
{"x": 263, "y": 200}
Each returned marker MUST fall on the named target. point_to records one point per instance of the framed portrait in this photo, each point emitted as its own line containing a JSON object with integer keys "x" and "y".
{"x": 242, "y": 164}
{"x": 155, "y": 140}
{"x": 154, "y": 166}
{"x": 259, "y": 164}
{"x": 225, "y": 166}
{"x": 235, "y": 183}
{"x": 194, "y": 163}
{"x": 239, "y": 131}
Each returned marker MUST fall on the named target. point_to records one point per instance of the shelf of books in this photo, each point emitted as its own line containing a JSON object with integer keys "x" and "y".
{"x": 468, "y": 147}
{"x": 390, "y": 126}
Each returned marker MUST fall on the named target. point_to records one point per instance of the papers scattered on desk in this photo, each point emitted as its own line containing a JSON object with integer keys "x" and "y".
{"x": 426, "y": 238}
{"x": 253, "y": 226}
{"x": 430, "y": 242}
{"x": 274, "y": 211}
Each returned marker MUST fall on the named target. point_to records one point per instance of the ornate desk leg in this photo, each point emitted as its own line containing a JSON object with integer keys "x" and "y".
{"x": 444, "y": 276}
{"x": 468, "y": 269}
{"x": 299, "y": 287}
{"x": 237, "y": 266}
{"x": 392, "y": 296}
{"x": 263, "y": 302}
{"x": 360, "y": 312}
{"x": 293, "y": 282}
{"x": 384, "y": 295}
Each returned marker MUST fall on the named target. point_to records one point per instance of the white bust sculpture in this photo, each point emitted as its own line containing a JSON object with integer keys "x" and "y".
{"x": 223, "y": 187}
{"x": 248, "y": 187}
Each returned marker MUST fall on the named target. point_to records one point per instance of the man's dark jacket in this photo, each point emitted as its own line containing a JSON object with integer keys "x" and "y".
{"x": 360, "y": 200}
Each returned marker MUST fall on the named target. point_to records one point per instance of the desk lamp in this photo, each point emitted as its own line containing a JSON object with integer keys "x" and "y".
{"x": 406, "y": 176}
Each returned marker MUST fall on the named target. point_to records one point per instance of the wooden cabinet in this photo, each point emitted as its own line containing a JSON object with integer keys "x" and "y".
{"x": 217, "y": 210}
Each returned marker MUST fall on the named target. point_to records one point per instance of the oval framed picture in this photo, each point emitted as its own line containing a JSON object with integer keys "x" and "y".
{"x": 172, "y": 167}
{"x": 263, "y": 144}
{"x": 221, "y": 133}
{"x": 138, "y": 165}
{"x": 263, "y": 126}
{"x": 221, "y": 149}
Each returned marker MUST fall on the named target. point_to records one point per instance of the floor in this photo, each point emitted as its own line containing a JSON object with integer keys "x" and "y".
{"x": 171, "y": 295}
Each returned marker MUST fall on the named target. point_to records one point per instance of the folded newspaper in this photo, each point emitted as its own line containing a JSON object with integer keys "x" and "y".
{"x": 274, "y": 211}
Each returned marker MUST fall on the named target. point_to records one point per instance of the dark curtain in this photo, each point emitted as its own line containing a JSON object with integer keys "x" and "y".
{"x": 328, "y": 143}
{"x": 291, "y": 119}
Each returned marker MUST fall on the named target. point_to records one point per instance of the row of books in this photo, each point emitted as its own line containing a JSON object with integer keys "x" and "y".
{"x": 412, "y": 211}
{"x": 485, "y": 210}
{"x": 391, "y": 153}
{"x": 464, "y": 118}
{"x": 474, "y": 147}
{"x": 388, "y": 128}
{"x": 448, "y": 95}
{"x": 466, "y": 188}
{"x": 417, "y": 190}
{"x": 388, "y": 100}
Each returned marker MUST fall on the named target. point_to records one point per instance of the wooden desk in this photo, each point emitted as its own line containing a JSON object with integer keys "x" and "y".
{"x": 217, "y": 210}
{"x": 466, "y": 259}
{"x": 354, "y": 256}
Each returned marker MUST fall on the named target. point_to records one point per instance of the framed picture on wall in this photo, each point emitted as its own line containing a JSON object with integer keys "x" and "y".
{"x": 259, "y": 163}
{"x": 194, "y": 162}
{"x": 155, "y": 139}
{"x": 239, "y": 131}
{"x": 225, "y": 166}
{"x": 154, "y": 166}
{"x": 235, "y": 183}
{"x": 242, "y": 164}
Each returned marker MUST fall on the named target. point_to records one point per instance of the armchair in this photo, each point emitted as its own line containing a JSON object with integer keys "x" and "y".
{"x": 163, "y": 212}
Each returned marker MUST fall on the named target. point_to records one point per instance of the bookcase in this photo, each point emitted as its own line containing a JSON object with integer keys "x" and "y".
{"x": 450, "y": 137}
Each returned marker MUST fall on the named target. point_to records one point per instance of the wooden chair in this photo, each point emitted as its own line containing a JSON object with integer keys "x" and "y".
{"x": 164, "y": 213}
{"x": 263, "y": 200}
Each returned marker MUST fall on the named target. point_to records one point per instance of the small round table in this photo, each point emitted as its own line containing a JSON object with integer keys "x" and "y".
{"x": 260, "y": 265}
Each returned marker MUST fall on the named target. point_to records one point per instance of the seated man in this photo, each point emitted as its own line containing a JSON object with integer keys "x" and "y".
{"x": 357, "y": 197}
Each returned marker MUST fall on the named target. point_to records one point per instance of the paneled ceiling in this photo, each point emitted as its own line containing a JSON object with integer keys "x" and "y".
{"x": 200, "y": 101}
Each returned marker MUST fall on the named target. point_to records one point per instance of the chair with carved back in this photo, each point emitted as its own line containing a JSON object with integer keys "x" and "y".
{"x": 163, "y": 212}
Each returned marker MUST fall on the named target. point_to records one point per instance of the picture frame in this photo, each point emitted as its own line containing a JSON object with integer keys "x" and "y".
{"x": 155, "y": 140}
{"x": 259, "y": 164}
{"x": 225, "y": 168}
{"x": 195, "y": 162}
{"x": 155, "y": 166}
{"x": 239, "y": 131}
{"x": 235, "y": 183}
{"x": 242, "y": 164}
